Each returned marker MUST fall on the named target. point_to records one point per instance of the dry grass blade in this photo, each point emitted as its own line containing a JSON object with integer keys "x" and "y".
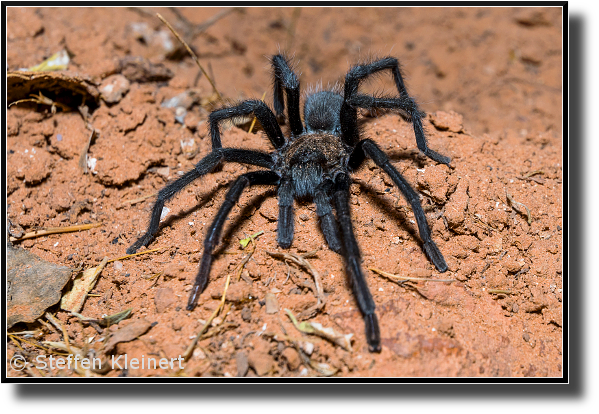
{"x": 300, "y": 260}
{"x": 530, "y": 176}
{"x": 401, "y": 279}
{"x": 55, "y": 230}
{"x": 500, "y": 291}
{"x": 17, "y": 340}
{"x": 137, "y": 200}
{"x": 513, "y": 203}
{"x": 328, "y": 333}
{"x": 61, "y": 328}
{"x": 191, "y": 347}
{"x": 107, "y": 320}
{"x": 137, "y": 254}
{"x": 58, "y": 61}
{"x": 202, "y": 27}
{"x": 193, "y": 55}
{"x": 42, "y": 100}
{"x": 299, "y": 345}
{"x": 78, "y": 355}
{"x": 83, "y": 156}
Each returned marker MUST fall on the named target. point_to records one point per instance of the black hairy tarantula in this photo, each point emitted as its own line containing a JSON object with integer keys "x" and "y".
{"x": 314, "y": 162}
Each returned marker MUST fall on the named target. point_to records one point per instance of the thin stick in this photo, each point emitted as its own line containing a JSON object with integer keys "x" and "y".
{"x": 247, "y": 257}
{"x": 61, "y": 328}
{"x": 137, "y": 200}
{"x": 513, "y": 203}
{"x": 301, "y": 261}
{"x": 530, "y": 174}
{"x": 500, "y": 291}
{"x": 137, "y": 254}
{"x": 401, "y": 279}
{"x": 55, "y": 230}
{"x": 83, "y": 156}
{"x": 202, "y": 27}
{"x": 193, "y": 55}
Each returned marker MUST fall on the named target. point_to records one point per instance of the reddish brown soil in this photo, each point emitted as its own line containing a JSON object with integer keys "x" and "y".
{"x": 490, "y": 80}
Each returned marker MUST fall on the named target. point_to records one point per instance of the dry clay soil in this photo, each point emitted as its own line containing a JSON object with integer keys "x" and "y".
{"x": 490, "y": 80}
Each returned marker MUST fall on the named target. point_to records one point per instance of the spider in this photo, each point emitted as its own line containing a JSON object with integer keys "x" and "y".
{"x": 314, "y": 163}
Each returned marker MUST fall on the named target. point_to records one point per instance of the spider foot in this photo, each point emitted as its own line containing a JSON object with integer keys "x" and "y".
{"x": 435, "y": 256}
{"x": 193, "y": 298}
{"x": 435, "y": 156}
{"x": 142, "y": 241}
{"x": 373, "y": 336}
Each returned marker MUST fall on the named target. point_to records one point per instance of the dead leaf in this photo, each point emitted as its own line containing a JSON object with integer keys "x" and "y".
{"x": 329, "y": 334}
{"x": 70, "y": 89}
{"x": 58, "y": 61}
{"x": 73, "y": 300}
{"x": 127, "y": 333}
{"x": 106, "y": 320}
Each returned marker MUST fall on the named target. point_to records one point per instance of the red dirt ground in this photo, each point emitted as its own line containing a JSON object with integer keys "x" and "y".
{"x": 490, "y": 80}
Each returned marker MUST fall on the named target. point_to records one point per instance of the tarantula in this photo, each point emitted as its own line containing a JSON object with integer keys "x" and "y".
{"x": 314, "y": 162}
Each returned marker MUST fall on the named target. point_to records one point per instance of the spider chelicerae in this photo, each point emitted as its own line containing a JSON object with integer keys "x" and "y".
{"x": 314, "y": 162}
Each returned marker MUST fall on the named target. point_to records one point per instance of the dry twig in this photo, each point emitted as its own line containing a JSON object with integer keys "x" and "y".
{"x": 300, "y": 260}
{"x": 513, "y": 203}
{"x": 193, "y": 55}
{"x": 42, "y": 100}
{"x": 55, "y": 230}
{"x": 136, "y": 200}
{"x": 401, "y": 279}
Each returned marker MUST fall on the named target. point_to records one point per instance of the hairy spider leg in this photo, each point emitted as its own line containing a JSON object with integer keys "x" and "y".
{"x": 285, "y": 225}
{"x": 349, "y": 123}
{"x": 369, "y": 148}
{"x": 324, "y": 210}
{"x": 285, "y": 78}
{"x": 259, "y": 109}
{"x": 351, "y": 254}
{"x": 286, "y": 213}
{"x": 214, "y": 231}
{"x": 206, "y": 165}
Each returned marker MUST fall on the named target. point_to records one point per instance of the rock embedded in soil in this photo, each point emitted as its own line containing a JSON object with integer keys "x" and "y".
{"x": 113, "y": 88}
{"x": 33, "y": 285}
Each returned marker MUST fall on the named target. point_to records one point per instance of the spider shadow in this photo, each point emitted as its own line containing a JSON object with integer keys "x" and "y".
{"x": 182, "y": 214}
{"x": 390, "y": 210}
{"x": 233, "y": 223}
{"x": 412, "y": 154}
{"x": 246, "y": 212}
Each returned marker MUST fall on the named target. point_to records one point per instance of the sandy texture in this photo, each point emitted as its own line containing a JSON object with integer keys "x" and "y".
{"x": 490, "y": 81}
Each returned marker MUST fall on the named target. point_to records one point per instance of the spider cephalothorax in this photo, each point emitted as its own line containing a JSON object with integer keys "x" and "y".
{"x": 313, "y": 163}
